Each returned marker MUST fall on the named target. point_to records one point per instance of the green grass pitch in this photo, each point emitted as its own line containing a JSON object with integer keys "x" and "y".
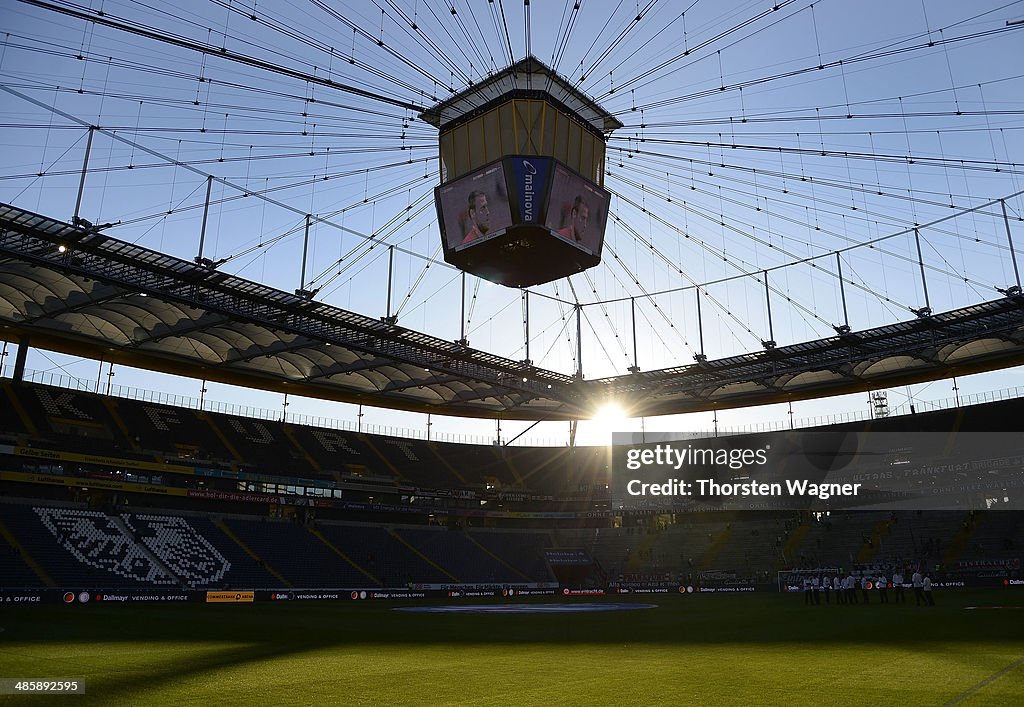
{"x": 711, "y": 649}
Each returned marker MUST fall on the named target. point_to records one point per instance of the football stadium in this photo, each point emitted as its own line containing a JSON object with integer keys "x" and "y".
{"x": 464, "y": 352}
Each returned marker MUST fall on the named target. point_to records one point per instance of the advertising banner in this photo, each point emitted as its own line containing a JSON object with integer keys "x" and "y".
{"x": 529, "y": 183}
{"x": 230, "y": 597}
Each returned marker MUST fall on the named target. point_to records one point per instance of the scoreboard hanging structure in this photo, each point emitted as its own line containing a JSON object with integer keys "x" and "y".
{"x": 521, "y": 200}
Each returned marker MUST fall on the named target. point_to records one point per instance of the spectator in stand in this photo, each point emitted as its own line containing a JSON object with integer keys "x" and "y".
{"x": 926, "y": 588}
{"x": 918, "y": 583}
{"x": 897, "y": 585}
{"x": 883, "y": 589}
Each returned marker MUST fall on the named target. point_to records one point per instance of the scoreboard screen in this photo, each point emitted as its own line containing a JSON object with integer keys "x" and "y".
{"x": 522, "y": 221}
{"x": 474, "y": 207}
{"x": 577, "y": 209}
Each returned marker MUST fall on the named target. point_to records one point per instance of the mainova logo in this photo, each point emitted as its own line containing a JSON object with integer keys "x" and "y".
{"x": 531, "y": 172}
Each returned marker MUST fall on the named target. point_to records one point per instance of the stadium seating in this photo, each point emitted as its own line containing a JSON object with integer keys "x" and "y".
{"x": 296, "y": 554}
{"x": 238, "y": 525}
{"x": 15, "y": 571}
{"x": 460, "y": 555}
{"x": 524, "y": 551}
{"x": 87, "y": 423}
{"x": 172, "y": 432}
{"x": 384, "y": 555}
{"x": 78, "y": 547}
{"x": 12, "y": 424}
{"x": 246, "y": 572}
{"x": 186, "y": 554}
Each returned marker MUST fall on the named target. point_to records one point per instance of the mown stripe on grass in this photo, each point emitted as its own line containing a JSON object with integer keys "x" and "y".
{"x": 984, "y": 683}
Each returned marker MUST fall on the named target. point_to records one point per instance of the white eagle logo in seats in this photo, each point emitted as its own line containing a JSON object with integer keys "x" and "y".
{"x": 180, "y": 546}
{"x": 127, "y": 546}
{"x": 99, "y": 541}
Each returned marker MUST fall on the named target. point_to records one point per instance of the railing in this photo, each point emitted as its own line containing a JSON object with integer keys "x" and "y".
{"x": 184, "y": 401}
{"x": 67, "y": 382}
{"x": 862, "y": 415}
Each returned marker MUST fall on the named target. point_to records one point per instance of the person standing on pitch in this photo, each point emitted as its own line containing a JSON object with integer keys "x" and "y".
{"x": 897, "y": 585}
{"x": 865, "y": 587}
{"x": 917, "y": 582}
{"x": 838, "y": 587}
{"x": 926, "y": 588}
{"x": 883, "y": 589}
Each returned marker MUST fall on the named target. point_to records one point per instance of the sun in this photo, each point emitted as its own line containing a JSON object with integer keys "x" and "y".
{"x": 610, "y": 417}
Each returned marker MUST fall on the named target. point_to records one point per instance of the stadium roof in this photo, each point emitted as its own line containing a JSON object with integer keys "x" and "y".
{"x": 526, "y": 77}
{"x": 78, "y": 291}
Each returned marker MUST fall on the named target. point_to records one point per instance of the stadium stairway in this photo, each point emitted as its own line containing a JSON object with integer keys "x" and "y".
{"x": 460, "y": 555}
{"x": 996, "y": 534}
{"x": 870, "y": 548}
{"x": 393, "y": 533}
{"x": 25, "y": 556}
{"x": 316, "y": 466}
{"x": 111, "y": 405}
{"x": 444, "y": 462}
{"x": 641, "y": 558}
{"x": 373, "y": 547}
{"x": 612, "y": 547}
{"x": 506, "y": 458}
{"x": 962, "y": 540}
{"x": 750, "y": 549}
{"x": 790, "y": 549}
{"x": 337, "y": 551}
{"x": 524, "y": 551}
{"x": 294, "y": 553}
{"x": 395, "y": 473}
{"x": 238, "y": 458}
{"x": 19, "y": 410}
{"x": 544, "y": 469}
{"x": 248, "y": 551}
{"x": 497, "y": 559}
{"x": 707, "y": 560}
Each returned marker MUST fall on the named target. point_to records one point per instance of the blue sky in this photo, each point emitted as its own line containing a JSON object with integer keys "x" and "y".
{"x": 718, "y": 172}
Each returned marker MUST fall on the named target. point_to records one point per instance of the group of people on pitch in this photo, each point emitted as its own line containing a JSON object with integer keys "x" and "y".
{"x": 845, "y": 589}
